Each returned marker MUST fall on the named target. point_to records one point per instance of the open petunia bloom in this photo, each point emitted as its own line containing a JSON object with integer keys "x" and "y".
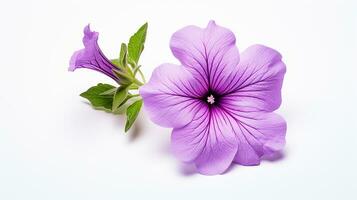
{"x": 218, "y": 102}
{"x": 91, "y": 57}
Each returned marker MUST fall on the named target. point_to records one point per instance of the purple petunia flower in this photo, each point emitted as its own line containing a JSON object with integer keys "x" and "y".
{"x": 218, "y": 102}
{"x": 91, "y": 57}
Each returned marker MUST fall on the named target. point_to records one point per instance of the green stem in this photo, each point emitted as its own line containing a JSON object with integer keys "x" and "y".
{"x": 137, "y": 82}
{"x": 134, "y": 95}
{"x": 129, "y": 97}
{"x": 142, "y": 75}
{"x": 133, "y": 87}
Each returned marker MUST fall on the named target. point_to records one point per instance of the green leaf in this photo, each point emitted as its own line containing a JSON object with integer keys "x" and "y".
{"x": 116, "y": 62}
{"x": 123, "y": 54}
{"x": 119, "y": 96}
{"x": 109, "y": 92}
{"x": 130, "y": 98}
{"x": 132, "y": 113}
{"x": 136, "y": 69}
{"x": 136, "y": 43}
{"x": 124, "y": 77}
{"x": 97, "y": 99}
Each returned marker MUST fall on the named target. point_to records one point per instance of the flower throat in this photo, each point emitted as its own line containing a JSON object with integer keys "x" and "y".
{"x": 211, "y": 98}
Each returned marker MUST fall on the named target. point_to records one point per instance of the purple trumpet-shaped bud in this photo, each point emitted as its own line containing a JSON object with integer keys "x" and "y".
{"x": 91, "y": 57}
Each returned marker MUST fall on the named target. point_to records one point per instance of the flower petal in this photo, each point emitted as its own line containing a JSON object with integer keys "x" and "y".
{"x": 256, "y": 84}
{"x": 171, "y": 97}
{"x": 259, "y": 134}
{"x": 208, "y": 53}
{"x": 91, "y": 57}
{"x": 208, "y": 141}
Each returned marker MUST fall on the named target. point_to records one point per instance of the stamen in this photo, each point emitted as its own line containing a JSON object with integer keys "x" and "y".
{"x": 210, "y": 99}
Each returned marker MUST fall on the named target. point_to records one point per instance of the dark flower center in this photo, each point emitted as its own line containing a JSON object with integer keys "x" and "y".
{"x": 211, "y": 98}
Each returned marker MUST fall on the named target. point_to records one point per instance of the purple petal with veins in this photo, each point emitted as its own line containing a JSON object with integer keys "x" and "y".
{"x": 91, "y": 57}
{"x": 218, "y": 102}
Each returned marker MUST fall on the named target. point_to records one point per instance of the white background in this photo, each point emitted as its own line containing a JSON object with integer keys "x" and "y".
{"x": 55, "y": 146}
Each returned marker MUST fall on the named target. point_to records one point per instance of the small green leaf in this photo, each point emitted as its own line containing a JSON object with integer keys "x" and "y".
{"x": 97, "y": 99}
{"x": 116, "y": 62}
{"x": 136, "y": 43}
{"x": 119, "y": 65}
{"x": 133, "y": 87}
{"x": 119, "y": 96}
{"x": 130, "y": 98}
{"x": 132, "y": 113}
{"x": 109, "y": 92}
{"x": 136, "y": 69}
{"x": 123, "y": 54}
{"x": 124, "y": 78}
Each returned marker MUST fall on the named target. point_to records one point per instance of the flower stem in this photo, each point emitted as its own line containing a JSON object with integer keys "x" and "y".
{"x": 129, "y": 97}
{"x": 137, "y": 82}
{"x": 134, "y": 95}
{"x": 142, "y": 75}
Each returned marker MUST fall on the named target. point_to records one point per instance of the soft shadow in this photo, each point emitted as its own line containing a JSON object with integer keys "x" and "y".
{"x": 187, "y": 169}
{"x": 166, "y": 149}
{"x": 274, "y": 157}
{"x": 136, "y": 130}
{"x": 230, "y": 168}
